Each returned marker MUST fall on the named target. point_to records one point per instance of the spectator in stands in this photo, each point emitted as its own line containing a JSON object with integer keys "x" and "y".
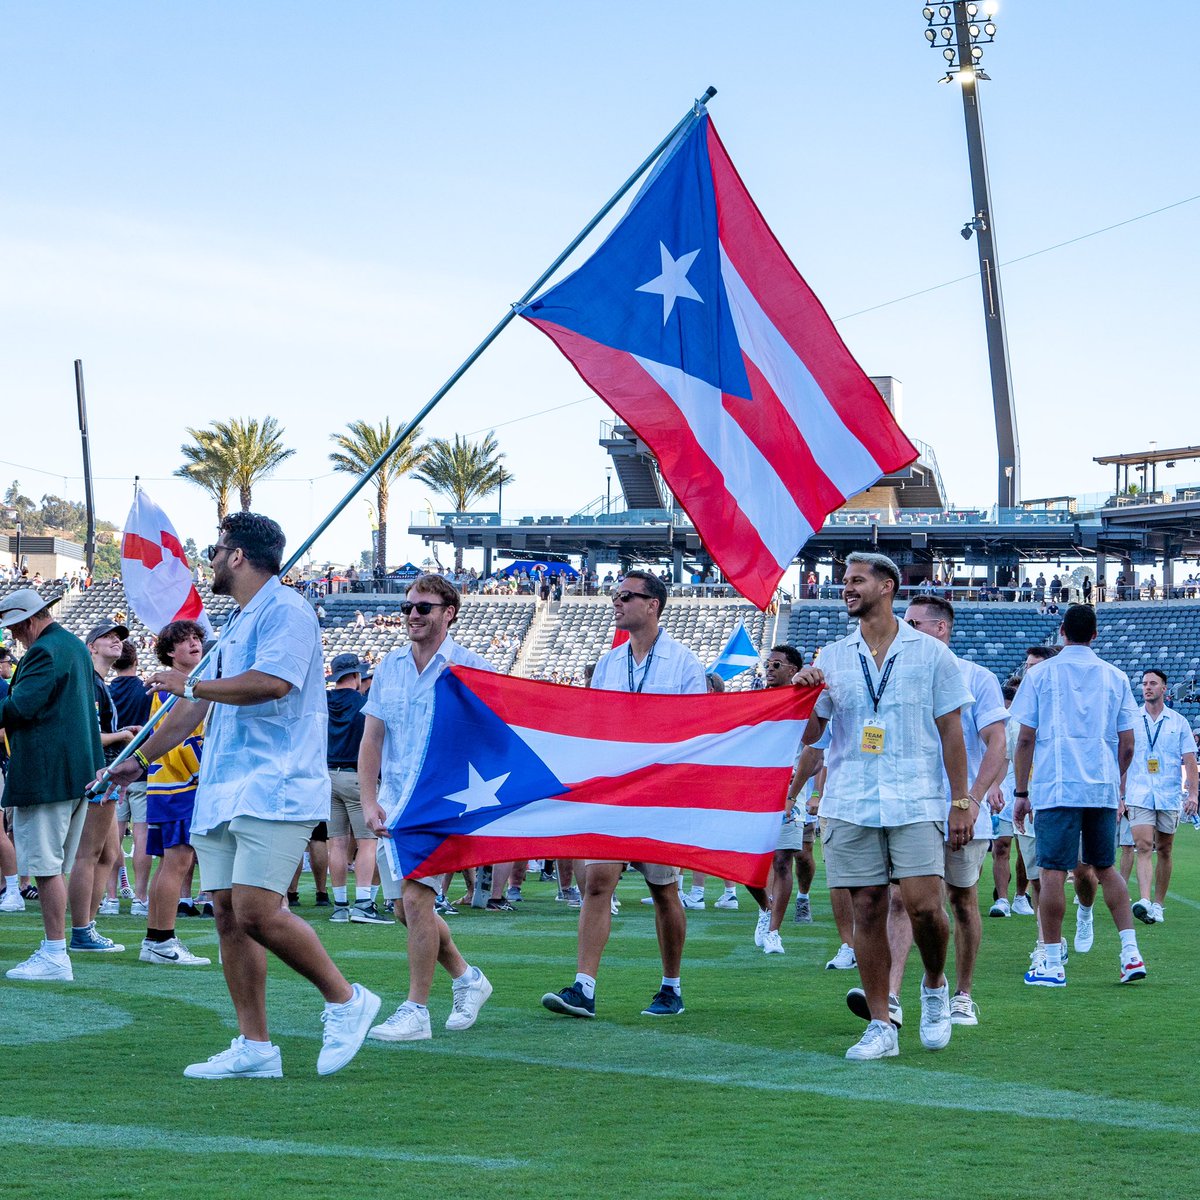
{"x": 1055, "y": 588}
{"x": 360, "y": 622}
{"x": 1040, "y": 586}
{"x": 1152, "y": 588}
{"x": 1101, "y": 590}
{"x": 49, "y": 718}
{"x": 1027, "y": 590}
{"x": 1087, "y": 589}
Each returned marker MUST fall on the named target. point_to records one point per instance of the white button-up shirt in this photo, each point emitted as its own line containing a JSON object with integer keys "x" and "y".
{"x": 1078, "y": 703}
{"x": 986, "y": 708}
{"x": 906, "y": 782}
{"x": 1173, "y": 741}
{"x": 402, "y": 698}
{"x": 267, "y": 760}
{"x": 670, "y": 669}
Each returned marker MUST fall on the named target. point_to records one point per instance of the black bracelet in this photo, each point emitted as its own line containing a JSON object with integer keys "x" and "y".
{"x": 1021, "y": 795}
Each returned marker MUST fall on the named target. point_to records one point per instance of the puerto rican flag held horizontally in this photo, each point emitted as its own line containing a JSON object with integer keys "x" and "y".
{"x": 691, "y": 322}
{"x": 515, "y": 769}
{"x": 154, "y": 569}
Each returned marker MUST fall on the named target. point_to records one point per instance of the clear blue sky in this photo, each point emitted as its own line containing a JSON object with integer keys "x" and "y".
{"x": 315, "y": 211}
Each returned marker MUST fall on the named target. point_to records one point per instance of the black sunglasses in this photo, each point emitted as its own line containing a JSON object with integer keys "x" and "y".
{"x": 211, "y": 552}
{"x": 423, "y": 607}
{"x": 625, "y": 597}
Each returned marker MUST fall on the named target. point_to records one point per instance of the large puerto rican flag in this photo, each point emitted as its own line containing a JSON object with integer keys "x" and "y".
{"x": 515, "y": 769}
{"x": 692, "y": 323}
{"x": 154, "y": 569}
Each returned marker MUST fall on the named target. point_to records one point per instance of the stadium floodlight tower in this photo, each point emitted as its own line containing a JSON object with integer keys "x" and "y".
{"x": 961, "y": 30}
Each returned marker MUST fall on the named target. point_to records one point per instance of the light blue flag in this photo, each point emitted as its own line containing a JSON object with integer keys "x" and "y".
{"x": 739, "y": 655}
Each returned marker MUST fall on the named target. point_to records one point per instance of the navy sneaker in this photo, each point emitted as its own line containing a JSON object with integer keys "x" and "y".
{"x": 90, "y": 940}
{"x": 667, "y": 1002}
{"x": 571, "y": 1002}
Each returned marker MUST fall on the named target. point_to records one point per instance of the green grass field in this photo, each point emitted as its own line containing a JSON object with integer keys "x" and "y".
{"x": 1084, "y": 1092}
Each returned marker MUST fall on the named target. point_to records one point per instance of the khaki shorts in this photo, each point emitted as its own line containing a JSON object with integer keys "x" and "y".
{"x": 345, "y": 809}
{"x": 1163, "y": 820}
{"x": 867, "y": 856}
{"x": 1124, "y": 834}
{"x": 1003, "y": 829}
{"x": 795, "y": 835}
{"x": 963, "y": 867}
{"x": 133, "y": 807}
{"x": 653, "y": 873}
{"x": 389, "y": 884}
{"x": 47, "y": 835}
{"x": 251, "y": 852}
{"x": 1028, "y": 844}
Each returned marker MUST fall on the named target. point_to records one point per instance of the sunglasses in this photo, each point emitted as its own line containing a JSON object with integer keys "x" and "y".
{"x": 211, "y": 552}
{"x": 423, "y": 607}
{"x": 625, "y": 597}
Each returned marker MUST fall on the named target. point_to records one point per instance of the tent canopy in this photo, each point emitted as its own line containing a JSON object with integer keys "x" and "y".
{"x": 533, "y": 565}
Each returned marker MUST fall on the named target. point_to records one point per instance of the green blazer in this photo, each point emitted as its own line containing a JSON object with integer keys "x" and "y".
{"x": 50, "y": 719}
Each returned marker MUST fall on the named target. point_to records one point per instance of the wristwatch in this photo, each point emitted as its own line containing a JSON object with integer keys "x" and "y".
{"x": 963, "y": 802}
{"x": 189, "y": 688}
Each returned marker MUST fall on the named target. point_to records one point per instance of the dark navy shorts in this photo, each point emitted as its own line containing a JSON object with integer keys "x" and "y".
{"x": 1067, "y": 836}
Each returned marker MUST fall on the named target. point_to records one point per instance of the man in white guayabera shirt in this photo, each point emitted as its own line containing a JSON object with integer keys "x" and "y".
{"x": 1164, "y": 753}
{"x": 892, "y": 698}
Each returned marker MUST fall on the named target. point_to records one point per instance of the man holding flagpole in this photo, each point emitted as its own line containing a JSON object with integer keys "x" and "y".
{"x": 650, "y": 661}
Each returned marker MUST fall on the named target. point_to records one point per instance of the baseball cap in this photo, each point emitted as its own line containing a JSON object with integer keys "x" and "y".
{"x": 22, "y": 604}
{"x": 343, "y": 665}
{"x": 104, "y": 628}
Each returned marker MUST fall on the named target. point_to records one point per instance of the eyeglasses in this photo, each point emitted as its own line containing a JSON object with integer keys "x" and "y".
{"x": 423, "y": 607}
{"x": 625, "y": 597}
{"x": 211, "y": 552}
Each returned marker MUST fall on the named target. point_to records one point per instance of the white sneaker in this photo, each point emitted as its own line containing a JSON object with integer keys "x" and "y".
{"x": 963, "y": 1010}
{"x": 1084, "y": 931}
{"x": 239, "y": 1062}
{"x": 469, "y": 998}
{"x": 43, "y": 965}
{"x": 1143, "y": 909}
{"x": 1001, "y": 908}
{"x": 650, "y": 899}
{"x": 879, "y": 1041}
{"x": 1021, "y": 906}
{"x": 843, "y": 960}
{"x": 695, "y": 903}
{"x": 1158, "y": 914}
{"x": 772, "y": 942}
{"x": 614, "y": 906}
{"x": 110, "y": 906}
{"x": 346, "y": 1026}
{"x": 728, "y": 900}
{"x": 12, "y": 901}
{"x": 407, "y": 1024}
{"x": 761, "y": 926}
{"x": 139, "y": 908}
{"x": 171, "y": 953}
{"x": 935, "y": 1017}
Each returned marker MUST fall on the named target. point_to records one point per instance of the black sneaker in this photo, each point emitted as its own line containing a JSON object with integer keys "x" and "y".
{"x": 322, "y": 900}
{"x": 206, "y": 909}
{"x": 571, "y": 1002}
{"x": 187, "y": 909}
{"x": 29, "y": 892}
{"x": 364, "y": 912}
{"x": 293, "y": 899}
{"x": 500, "y": 906}
{"x": 548, "y": 877}
{"x": 667, "y": 1002}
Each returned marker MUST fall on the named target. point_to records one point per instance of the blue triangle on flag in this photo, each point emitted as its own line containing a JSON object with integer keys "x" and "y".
{"x": 739, "y": 654}
{"x": 475, "y": 768}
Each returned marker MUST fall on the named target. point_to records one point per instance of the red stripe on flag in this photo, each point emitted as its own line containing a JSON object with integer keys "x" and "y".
{"x": 686, "y": 785}
{"x": 172, "y": 543}
{"x": 620, "y": 637}
{"x": 461, "y": 851}
{"x": 800, "y": 317}
{"x": 621, "y": 717}
{"x": 770, "y": 427}
{"x": 192, "y": 608}
{"x": 694, "y": 478}
{"x": 140, "y": 549}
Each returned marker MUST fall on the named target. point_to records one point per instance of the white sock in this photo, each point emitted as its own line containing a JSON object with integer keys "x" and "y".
{"x": 587, "y": 985}
{"x": 470, "y": 975}
{"x": 1054, "y": 955}
{"x": 1085, "y": 908}
{"x": 261, "y": 1047}
{"x": 374, "y": 891}
{"x": 1128, "y": 941}
{"x": 414, "y": 1006}
{"x": 362, "y": 895}
{"x": 729, "y": 892}
{"x": 697, "y": 893}
{"x": 339, "y": 895}
{"x": 673, "y": 984}
{"x": 55, "y": 945}
{"x": 12, "y": 883}
{"x": 801, "y": 895}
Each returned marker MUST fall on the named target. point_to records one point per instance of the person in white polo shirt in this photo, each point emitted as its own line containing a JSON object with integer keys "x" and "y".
{"x": 1163, "y": 753}
{"x": 893, "y": 698}
{"x": 653, "y": 662}
{"x": 263, "y": 787}
{"x": 1077, "y": 715}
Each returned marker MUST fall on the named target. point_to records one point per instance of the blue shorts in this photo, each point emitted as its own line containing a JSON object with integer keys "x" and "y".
{"x": 1067, "y": 836}
{"x": 162, "y": 835}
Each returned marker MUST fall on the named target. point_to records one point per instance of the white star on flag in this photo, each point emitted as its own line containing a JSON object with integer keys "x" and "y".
{"x": 672, "y": 284}
{"x": 479, "y": 792}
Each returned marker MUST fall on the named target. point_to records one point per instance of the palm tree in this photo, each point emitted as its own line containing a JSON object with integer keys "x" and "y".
{"x": 358, "y": 450}
{"x": 208, "y": 467}
{"x": 463, "y": 471}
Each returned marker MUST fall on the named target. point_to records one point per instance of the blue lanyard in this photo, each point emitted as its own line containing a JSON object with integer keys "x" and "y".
{"x": 649, "y": 660}
{"x": 1158, "y": 728}
{"x": 883, "y": 680}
